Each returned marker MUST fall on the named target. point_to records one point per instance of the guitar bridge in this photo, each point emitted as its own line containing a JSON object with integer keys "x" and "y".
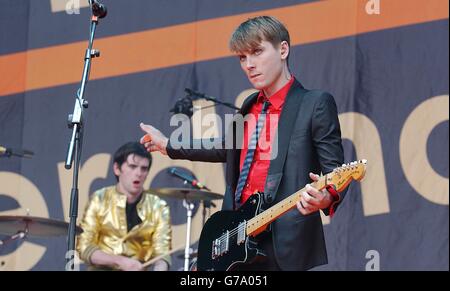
{"x": 221, "y": 245}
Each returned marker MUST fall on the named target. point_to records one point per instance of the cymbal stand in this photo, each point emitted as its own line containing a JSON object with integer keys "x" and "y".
{"x": 189, "y": 207}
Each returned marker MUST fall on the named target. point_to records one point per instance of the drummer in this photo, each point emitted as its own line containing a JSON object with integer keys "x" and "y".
{"x": 123, "y": 225}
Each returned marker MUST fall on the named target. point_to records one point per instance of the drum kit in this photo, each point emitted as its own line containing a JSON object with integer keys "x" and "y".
{"x": 21, "y": 227}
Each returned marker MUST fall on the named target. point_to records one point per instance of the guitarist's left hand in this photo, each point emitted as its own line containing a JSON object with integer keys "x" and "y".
{"x": 312, "y": 199}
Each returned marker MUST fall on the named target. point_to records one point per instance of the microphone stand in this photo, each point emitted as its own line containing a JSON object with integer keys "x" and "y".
{"x": 199, "y": 95}
{"x": 75, "y": 122}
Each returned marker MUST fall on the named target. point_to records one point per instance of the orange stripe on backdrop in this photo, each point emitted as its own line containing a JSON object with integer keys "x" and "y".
{"x": 203, "y": 40}
{"x": 13, "y": 73}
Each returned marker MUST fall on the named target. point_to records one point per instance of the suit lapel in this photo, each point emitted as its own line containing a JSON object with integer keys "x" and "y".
{"x": 284, "y": 131}
{"x": 248, "y": 103}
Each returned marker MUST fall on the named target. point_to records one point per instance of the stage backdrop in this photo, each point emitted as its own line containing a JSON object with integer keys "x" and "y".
{"x": 384, "y": 61}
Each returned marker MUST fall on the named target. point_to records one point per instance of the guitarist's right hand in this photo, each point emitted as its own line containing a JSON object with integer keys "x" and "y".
{"x": 154, "y": 140}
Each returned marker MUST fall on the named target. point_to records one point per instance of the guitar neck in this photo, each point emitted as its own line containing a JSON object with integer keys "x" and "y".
{"x": 260, "y": 222}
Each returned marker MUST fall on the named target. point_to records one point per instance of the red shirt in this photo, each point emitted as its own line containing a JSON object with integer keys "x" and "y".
{"x": 261, "y": 160}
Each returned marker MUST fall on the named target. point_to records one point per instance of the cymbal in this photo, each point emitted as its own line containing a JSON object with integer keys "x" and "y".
{"x": 34, "y": 226}
{"x": 184, "y": 193}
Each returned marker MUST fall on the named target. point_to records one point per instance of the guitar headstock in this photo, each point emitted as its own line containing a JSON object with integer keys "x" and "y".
{"x": 342, "y": 176}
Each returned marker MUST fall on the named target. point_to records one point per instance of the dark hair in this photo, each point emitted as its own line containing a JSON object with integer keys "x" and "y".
{"x": 250, "y": 33}
{"x": 130, "y": 148}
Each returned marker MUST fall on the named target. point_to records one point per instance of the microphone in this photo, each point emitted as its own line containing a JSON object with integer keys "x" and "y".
{"x": 191, "y": 92}
{"x": 7, "y": 152}
{"x": 187, "y": 178}
{"x": 184, "y": 106}
{"x": 98, "y": 9}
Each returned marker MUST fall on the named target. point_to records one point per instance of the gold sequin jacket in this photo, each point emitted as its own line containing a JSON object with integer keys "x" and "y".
{"x": 105, "y": 227}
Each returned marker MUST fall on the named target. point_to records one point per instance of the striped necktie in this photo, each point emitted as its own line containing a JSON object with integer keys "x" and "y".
{"x": 250, "y": 154}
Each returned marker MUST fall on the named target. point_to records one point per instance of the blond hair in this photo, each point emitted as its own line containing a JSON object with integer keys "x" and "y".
{"x": 250, "y": 33}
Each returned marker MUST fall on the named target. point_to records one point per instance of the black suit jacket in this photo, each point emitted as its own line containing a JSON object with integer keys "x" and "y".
{"x": 309, "y": 140}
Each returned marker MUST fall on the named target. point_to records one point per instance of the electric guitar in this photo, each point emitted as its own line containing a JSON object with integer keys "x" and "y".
{"x": 228, "y": 237}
